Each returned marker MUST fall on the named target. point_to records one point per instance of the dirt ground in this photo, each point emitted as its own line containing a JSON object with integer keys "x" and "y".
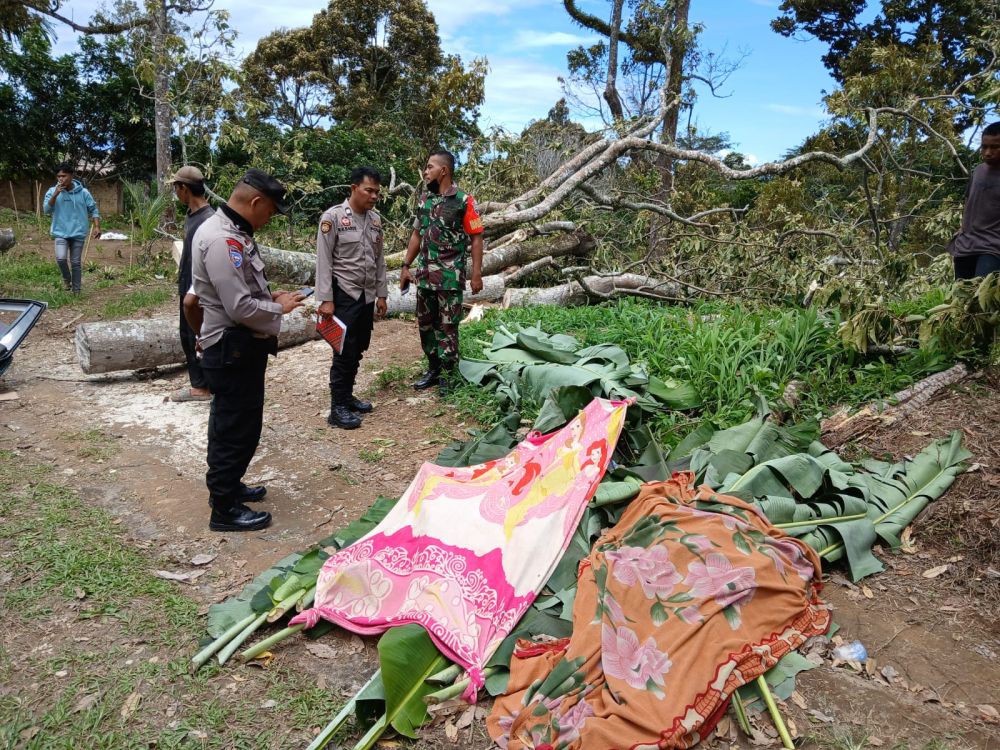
{"x": 934, "y": 676}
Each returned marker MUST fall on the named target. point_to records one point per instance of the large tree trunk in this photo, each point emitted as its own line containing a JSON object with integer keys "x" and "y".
{"x": 601, "y": 287}
{"x": 300, "y": 268}
{"x": 141, "y": 344}
{"x": 162, "y": 120}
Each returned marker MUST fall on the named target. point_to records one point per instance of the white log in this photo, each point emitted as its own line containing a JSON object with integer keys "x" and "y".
{"x": 493, "y": 289}
{"x": 140, "y": 344}
{"x": 300, "y": 268}
{"x": 573, "y": 293}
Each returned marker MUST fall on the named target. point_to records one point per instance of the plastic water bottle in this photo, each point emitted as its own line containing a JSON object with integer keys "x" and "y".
{"x": 853, "y": 651}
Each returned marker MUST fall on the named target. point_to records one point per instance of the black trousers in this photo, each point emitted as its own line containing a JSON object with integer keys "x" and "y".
{"x": 195, "y": 374}
{"x": 359, "y": 317}
{"x": 974, "y": 266}
{"x": 235, "y": 419}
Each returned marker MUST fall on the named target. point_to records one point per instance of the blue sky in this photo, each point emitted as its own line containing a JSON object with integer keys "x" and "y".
{"x": 772, "y": 101}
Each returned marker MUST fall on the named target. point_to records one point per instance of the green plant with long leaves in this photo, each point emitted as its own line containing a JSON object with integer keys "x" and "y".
{"x": 145, "y": 213}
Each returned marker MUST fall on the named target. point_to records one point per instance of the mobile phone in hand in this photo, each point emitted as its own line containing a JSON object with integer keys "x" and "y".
{"x": 306, "y": 291}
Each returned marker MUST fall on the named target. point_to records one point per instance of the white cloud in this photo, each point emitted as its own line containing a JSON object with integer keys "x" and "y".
{"x": 532, "y": 39}
{"x": 519, "y": 91}
{"x": 452, "y": 16}
{"x": 796, "y": 111}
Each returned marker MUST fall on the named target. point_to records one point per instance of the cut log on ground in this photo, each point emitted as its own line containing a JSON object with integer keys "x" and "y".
{"x": 578, "y": 243}
{"x": 288, "y": 265}
{"x": 595, "y": 288}
{"x": 155, "y": 342}
{"x": 493, "y": 289}
{"x": 7, "y": 240}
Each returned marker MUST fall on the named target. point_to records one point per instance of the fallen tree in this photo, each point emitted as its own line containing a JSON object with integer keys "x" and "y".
{"x": 300, "y": 268}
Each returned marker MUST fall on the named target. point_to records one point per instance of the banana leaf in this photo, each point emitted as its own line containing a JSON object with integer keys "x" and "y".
{"x": 494, "y": 443}
{"x": 899, "y": 494}
{"x": 526, "y": 362}
{"x": 407, "y": 657}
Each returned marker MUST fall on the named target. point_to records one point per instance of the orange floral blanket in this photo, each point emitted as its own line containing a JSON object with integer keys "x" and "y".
{"x": 690, "y": 596}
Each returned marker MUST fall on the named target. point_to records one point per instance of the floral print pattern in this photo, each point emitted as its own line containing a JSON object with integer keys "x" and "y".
{"x": 689, "y": 597}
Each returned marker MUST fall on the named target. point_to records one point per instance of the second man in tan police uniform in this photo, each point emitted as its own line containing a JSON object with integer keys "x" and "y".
{"x": 241, "y": 320}
{"x": 350, "y": 283}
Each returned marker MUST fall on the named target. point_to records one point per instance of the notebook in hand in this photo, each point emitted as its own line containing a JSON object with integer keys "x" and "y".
{"x": 333, "y": 329}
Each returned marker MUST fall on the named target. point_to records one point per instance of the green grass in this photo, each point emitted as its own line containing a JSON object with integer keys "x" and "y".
{"x": 139, "y": 299}
{"x": 29, "y": 275}
{"x": 371, "y": 455}
{"x": 393, "y": 376}
{"x": 130, "y": 633}
{"x": 735, "y": 357}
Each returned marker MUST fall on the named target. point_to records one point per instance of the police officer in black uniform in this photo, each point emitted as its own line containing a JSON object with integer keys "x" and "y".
{"x": 239, "y": 329}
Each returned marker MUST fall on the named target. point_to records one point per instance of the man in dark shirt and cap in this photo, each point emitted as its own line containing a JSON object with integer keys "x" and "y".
{"x": 189, "y": 188}
{"x": 976, "y": 248}
{"x": 240, "y": 324}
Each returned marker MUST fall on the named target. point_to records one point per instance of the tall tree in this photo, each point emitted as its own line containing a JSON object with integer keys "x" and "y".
{"x": 369, "y": 60}
{"x": 854, "y": 35}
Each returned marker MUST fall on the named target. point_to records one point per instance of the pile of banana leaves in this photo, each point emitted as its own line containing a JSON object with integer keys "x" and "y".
{"x": 839, "y": 509}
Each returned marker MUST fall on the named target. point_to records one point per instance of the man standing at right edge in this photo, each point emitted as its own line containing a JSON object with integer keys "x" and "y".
{"x": 447, "y": 223}
{"x": 976, "y": 248}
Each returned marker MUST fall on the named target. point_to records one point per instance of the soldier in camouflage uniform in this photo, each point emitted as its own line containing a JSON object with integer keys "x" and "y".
{"x": 446, "y": 228}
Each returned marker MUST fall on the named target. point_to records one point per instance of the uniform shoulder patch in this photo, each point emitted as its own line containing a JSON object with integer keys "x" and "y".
{"x": 325, "y": 226}
{"x": 235, "y": 252}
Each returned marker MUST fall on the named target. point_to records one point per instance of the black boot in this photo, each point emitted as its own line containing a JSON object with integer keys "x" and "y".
{"x": 250, "y": 494}
{"x": 341, "y": 416}
{"x": 237, "y": 517}
{"x": 428, "y": 380}
{"x": 359, "y": 405}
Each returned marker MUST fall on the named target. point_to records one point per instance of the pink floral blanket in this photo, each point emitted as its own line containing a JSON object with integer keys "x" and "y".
{"x": 465, "y": 550}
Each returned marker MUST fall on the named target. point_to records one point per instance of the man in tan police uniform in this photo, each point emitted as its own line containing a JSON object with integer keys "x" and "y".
{"x": 350, "y": 282}
{"x": 241, "y": 320}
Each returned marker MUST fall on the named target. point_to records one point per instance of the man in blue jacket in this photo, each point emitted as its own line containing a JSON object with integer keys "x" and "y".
{"x": 71, "y": 207}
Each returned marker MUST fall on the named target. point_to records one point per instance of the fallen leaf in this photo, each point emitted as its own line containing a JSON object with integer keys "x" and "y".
{"x": 180, "y": 577}
{"x": 271, "y": 703}
{"x": 935, "y": 571}
{"x": 262, "y": 660}
{"x": 79, "y": 593}
{"x": 130, "y": 705}
{"x": 989, "y": 713}
{"x": 875, "y": 742}
{"x": 197, "y": 734}
{"x": 869, "y": 594}
{"x": 203, "y": 559}
{"x": 798, "y": 700}
{"x": 27, "y": 734}
{"x": 357, "y": 645}
{"x": 889, "y": 674}
{"x": 321, "y": 651}
{"x": 906, "y": 541}
{"x": 956, "y": 558}
{"x": 466, "y": 718}
{"x": 820, "y": 716}
{"x": 86, "y": 703}
{"x": 451, "y": 731}
{"x": 793, "y": 730}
